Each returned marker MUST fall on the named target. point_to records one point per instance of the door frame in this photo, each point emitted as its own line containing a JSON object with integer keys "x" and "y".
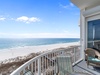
{"x": 95, "y": 17}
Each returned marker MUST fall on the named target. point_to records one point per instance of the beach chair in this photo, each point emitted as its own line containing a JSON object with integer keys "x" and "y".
{"x": 64, "y": 65}
{"x": 92, "y": 57}
{"x": 28, "y": 73}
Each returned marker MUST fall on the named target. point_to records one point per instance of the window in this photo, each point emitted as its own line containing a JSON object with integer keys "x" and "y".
{"x": 93, "y": 33}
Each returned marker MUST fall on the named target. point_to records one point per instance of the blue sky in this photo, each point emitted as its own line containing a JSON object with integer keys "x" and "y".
{"x": 39, "y": 19}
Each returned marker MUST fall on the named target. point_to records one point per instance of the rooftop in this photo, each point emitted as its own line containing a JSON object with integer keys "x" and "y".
{"x": 85, "y": 3}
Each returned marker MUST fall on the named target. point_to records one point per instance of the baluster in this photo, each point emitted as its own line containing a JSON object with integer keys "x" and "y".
{"x": 39, "y": 66}
{"x": 35, "y": 66}
{"x": 42, "y": 65}
{"x": 24, "y": 70}
{"x": 32, "y": 67}
{"x": 28, "y": 67}
{"x": 21, "y": 73}
{"x": 17, "y": 73}
{"x": 74, "y": 55}
{"x": 45, "y": 64}
{"x": 54, "y": 63}
{"x": 47, "y": 61}
{"x": 51, "y": 64}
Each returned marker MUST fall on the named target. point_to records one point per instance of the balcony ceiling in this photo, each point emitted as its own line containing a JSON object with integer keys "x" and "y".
{"x": 85, "y": 3}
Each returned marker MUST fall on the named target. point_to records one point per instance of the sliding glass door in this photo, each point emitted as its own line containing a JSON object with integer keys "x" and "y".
{"x": 93, "y": 34}
{"x": 90, "y": 34}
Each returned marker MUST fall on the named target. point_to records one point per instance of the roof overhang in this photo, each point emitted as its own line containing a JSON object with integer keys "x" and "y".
{"x": 85, "y": 3}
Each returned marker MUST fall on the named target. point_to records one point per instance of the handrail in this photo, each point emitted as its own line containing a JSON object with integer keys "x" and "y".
{"x": 39, "y": 65}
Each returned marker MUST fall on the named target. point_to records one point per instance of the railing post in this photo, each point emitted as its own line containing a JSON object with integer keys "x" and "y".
{"x": 32, "y": 66}
{"x": 74, "y": 55}
{"x": 39, "y": 66}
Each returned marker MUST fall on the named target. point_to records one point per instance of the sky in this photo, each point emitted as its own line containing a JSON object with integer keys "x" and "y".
{"x": 39, "y": 19}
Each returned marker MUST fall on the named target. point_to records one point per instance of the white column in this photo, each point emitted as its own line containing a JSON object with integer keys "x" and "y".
{"x": 83, "y": 34}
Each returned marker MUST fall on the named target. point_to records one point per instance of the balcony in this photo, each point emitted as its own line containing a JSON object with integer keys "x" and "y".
{"x": 45, "y": 63}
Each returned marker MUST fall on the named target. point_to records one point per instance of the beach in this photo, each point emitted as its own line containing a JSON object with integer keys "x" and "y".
{"x": 12, "y": 58}
{"x": 23, "y": 51}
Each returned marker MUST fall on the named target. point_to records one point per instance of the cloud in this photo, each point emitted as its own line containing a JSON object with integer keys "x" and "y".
{"x": 2, "y": 18}
{"x": 27, "y": 19}
{"x": 63, "y": 6}
{"x": 66, "y": 6}
{"x": 39, "y": 35}
{"x": 11, "y": 18}
{"x": 21, "y": 19}
{"x": 71, "y": 4}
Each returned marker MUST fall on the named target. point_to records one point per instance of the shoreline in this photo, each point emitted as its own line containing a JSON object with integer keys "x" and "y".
{"x": 23, "y": 51}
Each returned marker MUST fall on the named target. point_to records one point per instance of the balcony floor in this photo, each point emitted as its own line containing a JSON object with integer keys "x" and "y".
{"x": 82, "y": 67}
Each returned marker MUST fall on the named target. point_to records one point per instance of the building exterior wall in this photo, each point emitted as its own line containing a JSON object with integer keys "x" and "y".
{"x": 87, "y": 14}
{"x": 89, "y": 10}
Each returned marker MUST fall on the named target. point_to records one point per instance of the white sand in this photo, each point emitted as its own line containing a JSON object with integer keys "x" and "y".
{"x": 22, "y": 51}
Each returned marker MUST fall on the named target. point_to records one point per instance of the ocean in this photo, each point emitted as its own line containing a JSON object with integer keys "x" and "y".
{"x": 6, "y": 43}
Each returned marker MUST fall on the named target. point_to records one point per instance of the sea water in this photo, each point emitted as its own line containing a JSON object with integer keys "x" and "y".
{"x": 6, "y": 43}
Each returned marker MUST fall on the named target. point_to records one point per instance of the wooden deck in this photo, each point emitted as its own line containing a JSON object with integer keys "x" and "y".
{"x": 82, "y": 67}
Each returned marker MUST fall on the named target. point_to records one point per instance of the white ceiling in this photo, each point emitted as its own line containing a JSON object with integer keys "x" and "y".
{"x": 85, "y": 3}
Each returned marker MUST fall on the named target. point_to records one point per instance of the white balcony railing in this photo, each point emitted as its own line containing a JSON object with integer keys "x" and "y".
{"x": 44, "y": 64}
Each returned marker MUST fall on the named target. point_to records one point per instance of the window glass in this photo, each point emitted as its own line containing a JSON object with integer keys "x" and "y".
{"x": 93, "y": 34}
